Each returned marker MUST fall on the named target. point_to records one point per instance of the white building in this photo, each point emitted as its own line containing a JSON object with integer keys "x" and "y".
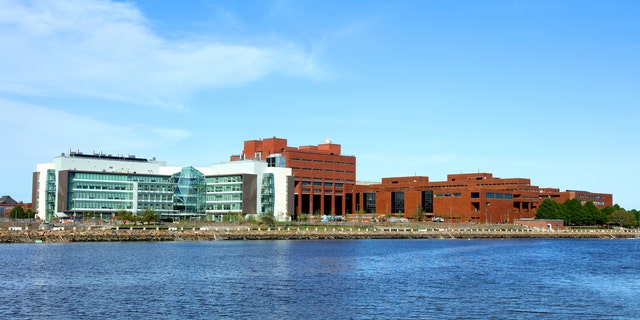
{"x": 78, "y": 184}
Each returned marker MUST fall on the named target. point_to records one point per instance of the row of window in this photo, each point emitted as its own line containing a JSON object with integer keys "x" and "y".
{"x": 225, "y": 179}
{"x": 78, "y": 185}
{"x": 324, "y": 161}
{"x": 326, "y": 184}
{"x": 224, "y": 197}
{"x": 224, "y": 206}
{"x": 493, "y": 195}
{"x": 92, "y": 176}
{"x": 455, "y": 194}
{"x": 587, "y": 196}
{"x": 102, "y": 195}
{"x": 323, "y": 170}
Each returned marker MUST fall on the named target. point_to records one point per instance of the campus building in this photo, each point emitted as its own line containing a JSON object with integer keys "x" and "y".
{"x": 270, "y": 177}
{"x": 325, "y": 184}
{"x": 600, "y": 200}
{"x": 476, "y": 198}
{"x": 324, "y": 178}
{"x": 77, "y": 184}
{"x": 469, "y": 197}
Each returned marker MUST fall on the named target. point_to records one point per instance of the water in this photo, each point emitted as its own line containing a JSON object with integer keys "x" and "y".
{"x": 352, "y": 279}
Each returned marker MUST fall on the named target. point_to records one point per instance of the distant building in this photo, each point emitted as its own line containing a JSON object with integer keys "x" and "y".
{"x": 600, "y": 200}
{"x": 78, "y": 184}
{"x": 7, "y": 201}
{"x": 7, "y": 204}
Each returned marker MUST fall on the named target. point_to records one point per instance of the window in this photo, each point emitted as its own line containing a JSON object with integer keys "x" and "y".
{"x": 397, "y": 202}
{"x": 369, "y": 202}
{"x": 427, "y": 201}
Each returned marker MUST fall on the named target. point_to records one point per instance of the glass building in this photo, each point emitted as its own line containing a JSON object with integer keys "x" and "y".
{"x": 77, "y": 185}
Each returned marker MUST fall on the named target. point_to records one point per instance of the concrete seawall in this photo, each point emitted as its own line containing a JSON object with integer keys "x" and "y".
{"x": 50, "y": 236}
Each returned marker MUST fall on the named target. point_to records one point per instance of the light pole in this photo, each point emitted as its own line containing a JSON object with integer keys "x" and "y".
{"x": 486, "y": 213}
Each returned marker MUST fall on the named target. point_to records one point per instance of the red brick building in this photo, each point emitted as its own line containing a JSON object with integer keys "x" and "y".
{"x": 477, "y": 197}
{"x": 324, "y": 178}
{"x": 325, "y": 184}
{"x": 600, "y": 200}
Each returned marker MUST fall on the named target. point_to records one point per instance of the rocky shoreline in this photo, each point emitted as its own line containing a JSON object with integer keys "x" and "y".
{"x": 97, "y": 235}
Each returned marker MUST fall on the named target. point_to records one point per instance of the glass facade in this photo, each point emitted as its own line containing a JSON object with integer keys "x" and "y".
{"x": 187, "y": 193}
{"x": 276, "y": 160}
{"x": 189, "y": 196}
{"x": 267, "y": 194}
{"x": 108, "y": 192}
{"x": 50, "y": 194}
{"x": 224, "y": 194}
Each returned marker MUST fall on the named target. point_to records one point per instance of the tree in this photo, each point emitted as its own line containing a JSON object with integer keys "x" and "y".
{"x": 573, "y": 212}
{"x": 623, "y": 218}
{"x": 149, "y": 216}
{"x": 18, "y": 212}
{"x": 124, "y": 215}
{"x": 592, "y": 215}
{"x": 637, "y": 214}
{"x": 548, "y": 210}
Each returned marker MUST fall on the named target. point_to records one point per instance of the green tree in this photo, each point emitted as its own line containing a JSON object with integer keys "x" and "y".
{"x": 623, "y": 218}
{"x": 572, "y": 212}
{"x": 548, "y": 209}
{"x": 149, "y": 216}
{"x": 17, "y": 213}
{"x": 637, "y": 214}
{"x": 124, "y": 215}
{"x": 592, "y": 215}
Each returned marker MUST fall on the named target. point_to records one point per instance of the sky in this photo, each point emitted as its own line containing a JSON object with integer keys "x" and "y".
{"x": 547, "y": 90}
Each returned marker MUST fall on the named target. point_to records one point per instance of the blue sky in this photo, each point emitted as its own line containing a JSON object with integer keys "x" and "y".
{"x": 546, "y": 89}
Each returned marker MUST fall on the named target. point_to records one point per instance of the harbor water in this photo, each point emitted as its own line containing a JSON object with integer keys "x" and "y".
{"x": 344, "y": 279}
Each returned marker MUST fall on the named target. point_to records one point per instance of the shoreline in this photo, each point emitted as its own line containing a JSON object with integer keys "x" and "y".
{"x": 151, "y": 235}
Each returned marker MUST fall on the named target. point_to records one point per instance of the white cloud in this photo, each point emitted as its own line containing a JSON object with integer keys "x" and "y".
{"x": 107, "y": 49}
{"x": 56, "y": 131}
